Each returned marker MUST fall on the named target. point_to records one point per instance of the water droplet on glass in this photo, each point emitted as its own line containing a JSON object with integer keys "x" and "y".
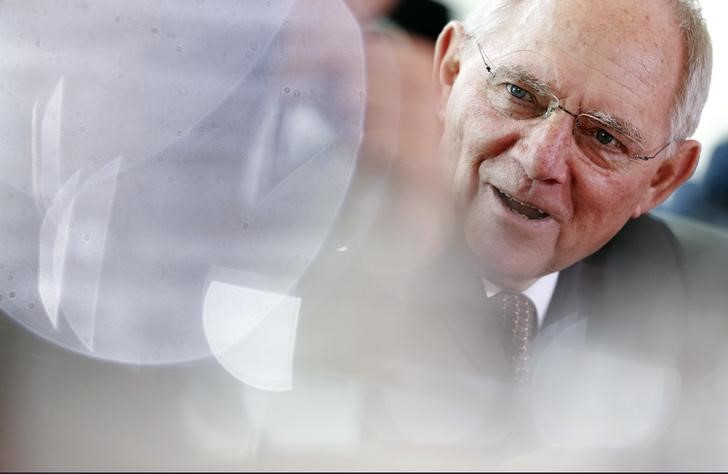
{"x": 245, "y": 225}
{"x": 11, "y": 294}
{"x": 31, "y": 305}
{"x": 37, "y": 44}
{"x": 287, "y": 90}
{"x": 117, "y": 19}
{"x": 86, "y": 237}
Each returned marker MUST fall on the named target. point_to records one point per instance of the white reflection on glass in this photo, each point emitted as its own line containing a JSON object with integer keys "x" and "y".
{"x": 252, "y": 333}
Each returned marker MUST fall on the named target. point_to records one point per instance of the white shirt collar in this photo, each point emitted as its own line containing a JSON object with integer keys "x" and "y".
{"x": 540, "y": 293}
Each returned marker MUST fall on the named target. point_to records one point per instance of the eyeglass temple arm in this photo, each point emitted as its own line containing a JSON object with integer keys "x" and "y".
{"x": 646, "y": 158}
{"x": 485, "y": 58}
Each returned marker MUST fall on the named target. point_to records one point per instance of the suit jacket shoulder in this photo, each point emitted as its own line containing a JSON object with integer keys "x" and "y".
{"x": 632, "y": 291}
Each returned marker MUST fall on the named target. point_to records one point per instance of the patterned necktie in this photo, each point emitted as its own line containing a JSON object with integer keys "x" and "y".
{"x": 517, "y": 317}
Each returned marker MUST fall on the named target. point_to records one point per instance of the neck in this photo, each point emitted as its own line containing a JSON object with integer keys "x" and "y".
{"x": 515, "y": 285}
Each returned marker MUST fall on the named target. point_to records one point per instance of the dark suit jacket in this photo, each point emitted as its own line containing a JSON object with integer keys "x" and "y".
{"x": 631, "y": 339}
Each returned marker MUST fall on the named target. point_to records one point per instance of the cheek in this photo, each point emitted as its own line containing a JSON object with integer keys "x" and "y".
{"x": 450, "y": 146}
{"x": 458, "y": 133}
{"x": 602, "y": 207}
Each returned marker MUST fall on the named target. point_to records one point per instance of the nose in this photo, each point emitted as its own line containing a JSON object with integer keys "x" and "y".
{"x": 546, "y": 148}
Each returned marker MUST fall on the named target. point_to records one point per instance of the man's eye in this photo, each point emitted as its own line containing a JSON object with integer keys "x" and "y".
{"x": 604, "y": 137}
{"x": 607, "y": 140}
{"x": 519, "y": 92}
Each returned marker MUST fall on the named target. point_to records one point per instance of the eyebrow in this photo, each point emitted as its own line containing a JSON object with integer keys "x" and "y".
{"x": 621, "y": 126}
{"x": 519, "y": 73}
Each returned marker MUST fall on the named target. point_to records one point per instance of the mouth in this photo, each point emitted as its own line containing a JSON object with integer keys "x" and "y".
{"x": 521, "y": 208}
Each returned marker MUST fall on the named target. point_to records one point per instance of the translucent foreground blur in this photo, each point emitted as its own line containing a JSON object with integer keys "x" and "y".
{"x": 150, "y": 146}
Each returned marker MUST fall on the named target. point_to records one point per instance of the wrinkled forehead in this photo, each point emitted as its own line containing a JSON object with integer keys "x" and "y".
{"x": 641, "y": 39}
{"x": 593, "y": 22}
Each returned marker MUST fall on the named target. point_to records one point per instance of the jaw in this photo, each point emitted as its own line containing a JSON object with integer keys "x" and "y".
{"x": 513, "y": 250}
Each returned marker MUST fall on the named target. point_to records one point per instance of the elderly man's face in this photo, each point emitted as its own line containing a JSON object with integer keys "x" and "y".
{"x": 618, "y": 58}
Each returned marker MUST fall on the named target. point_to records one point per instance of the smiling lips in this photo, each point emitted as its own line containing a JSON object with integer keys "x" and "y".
{"x": 519, "y": 207}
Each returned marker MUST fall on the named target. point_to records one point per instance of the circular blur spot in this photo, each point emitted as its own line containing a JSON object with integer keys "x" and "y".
{"x": 129, "y": 166}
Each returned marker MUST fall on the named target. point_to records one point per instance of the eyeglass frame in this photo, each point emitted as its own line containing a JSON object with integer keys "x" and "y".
{"x": 556, "y": 105}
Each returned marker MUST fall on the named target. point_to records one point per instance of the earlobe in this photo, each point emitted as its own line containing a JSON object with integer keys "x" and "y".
{"x": 446, "y": 64}
{"x": 673, "y": 172}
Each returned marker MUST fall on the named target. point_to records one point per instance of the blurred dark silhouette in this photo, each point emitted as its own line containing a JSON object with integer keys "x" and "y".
{"x": 425, "y": 18}
{"x": 398, "y": 188}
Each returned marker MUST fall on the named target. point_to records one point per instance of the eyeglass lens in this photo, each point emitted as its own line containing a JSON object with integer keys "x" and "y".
{"x": 601, "y": 143}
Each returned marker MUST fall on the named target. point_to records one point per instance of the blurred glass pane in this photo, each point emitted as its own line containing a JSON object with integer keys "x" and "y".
{"x": 148, "y": 145}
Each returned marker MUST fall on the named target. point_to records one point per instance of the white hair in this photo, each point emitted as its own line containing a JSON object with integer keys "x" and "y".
{"x": 490, "y": 16}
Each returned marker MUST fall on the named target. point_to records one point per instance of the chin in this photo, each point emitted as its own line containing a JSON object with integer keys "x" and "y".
{"x": 509, "y": 266}
{"x": 504, "y": 256}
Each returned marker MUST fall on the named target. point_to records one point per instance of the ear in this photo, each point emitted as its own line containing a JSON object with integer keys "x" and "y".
{"x": 446, "y": 65}
{"x": 671, "y": 173}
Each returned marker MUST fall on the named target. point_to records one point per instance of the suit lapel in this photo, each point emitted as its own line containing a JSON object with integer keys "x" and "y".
{"x": 631, "y": 292}
{"x": 453, "y": 293}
